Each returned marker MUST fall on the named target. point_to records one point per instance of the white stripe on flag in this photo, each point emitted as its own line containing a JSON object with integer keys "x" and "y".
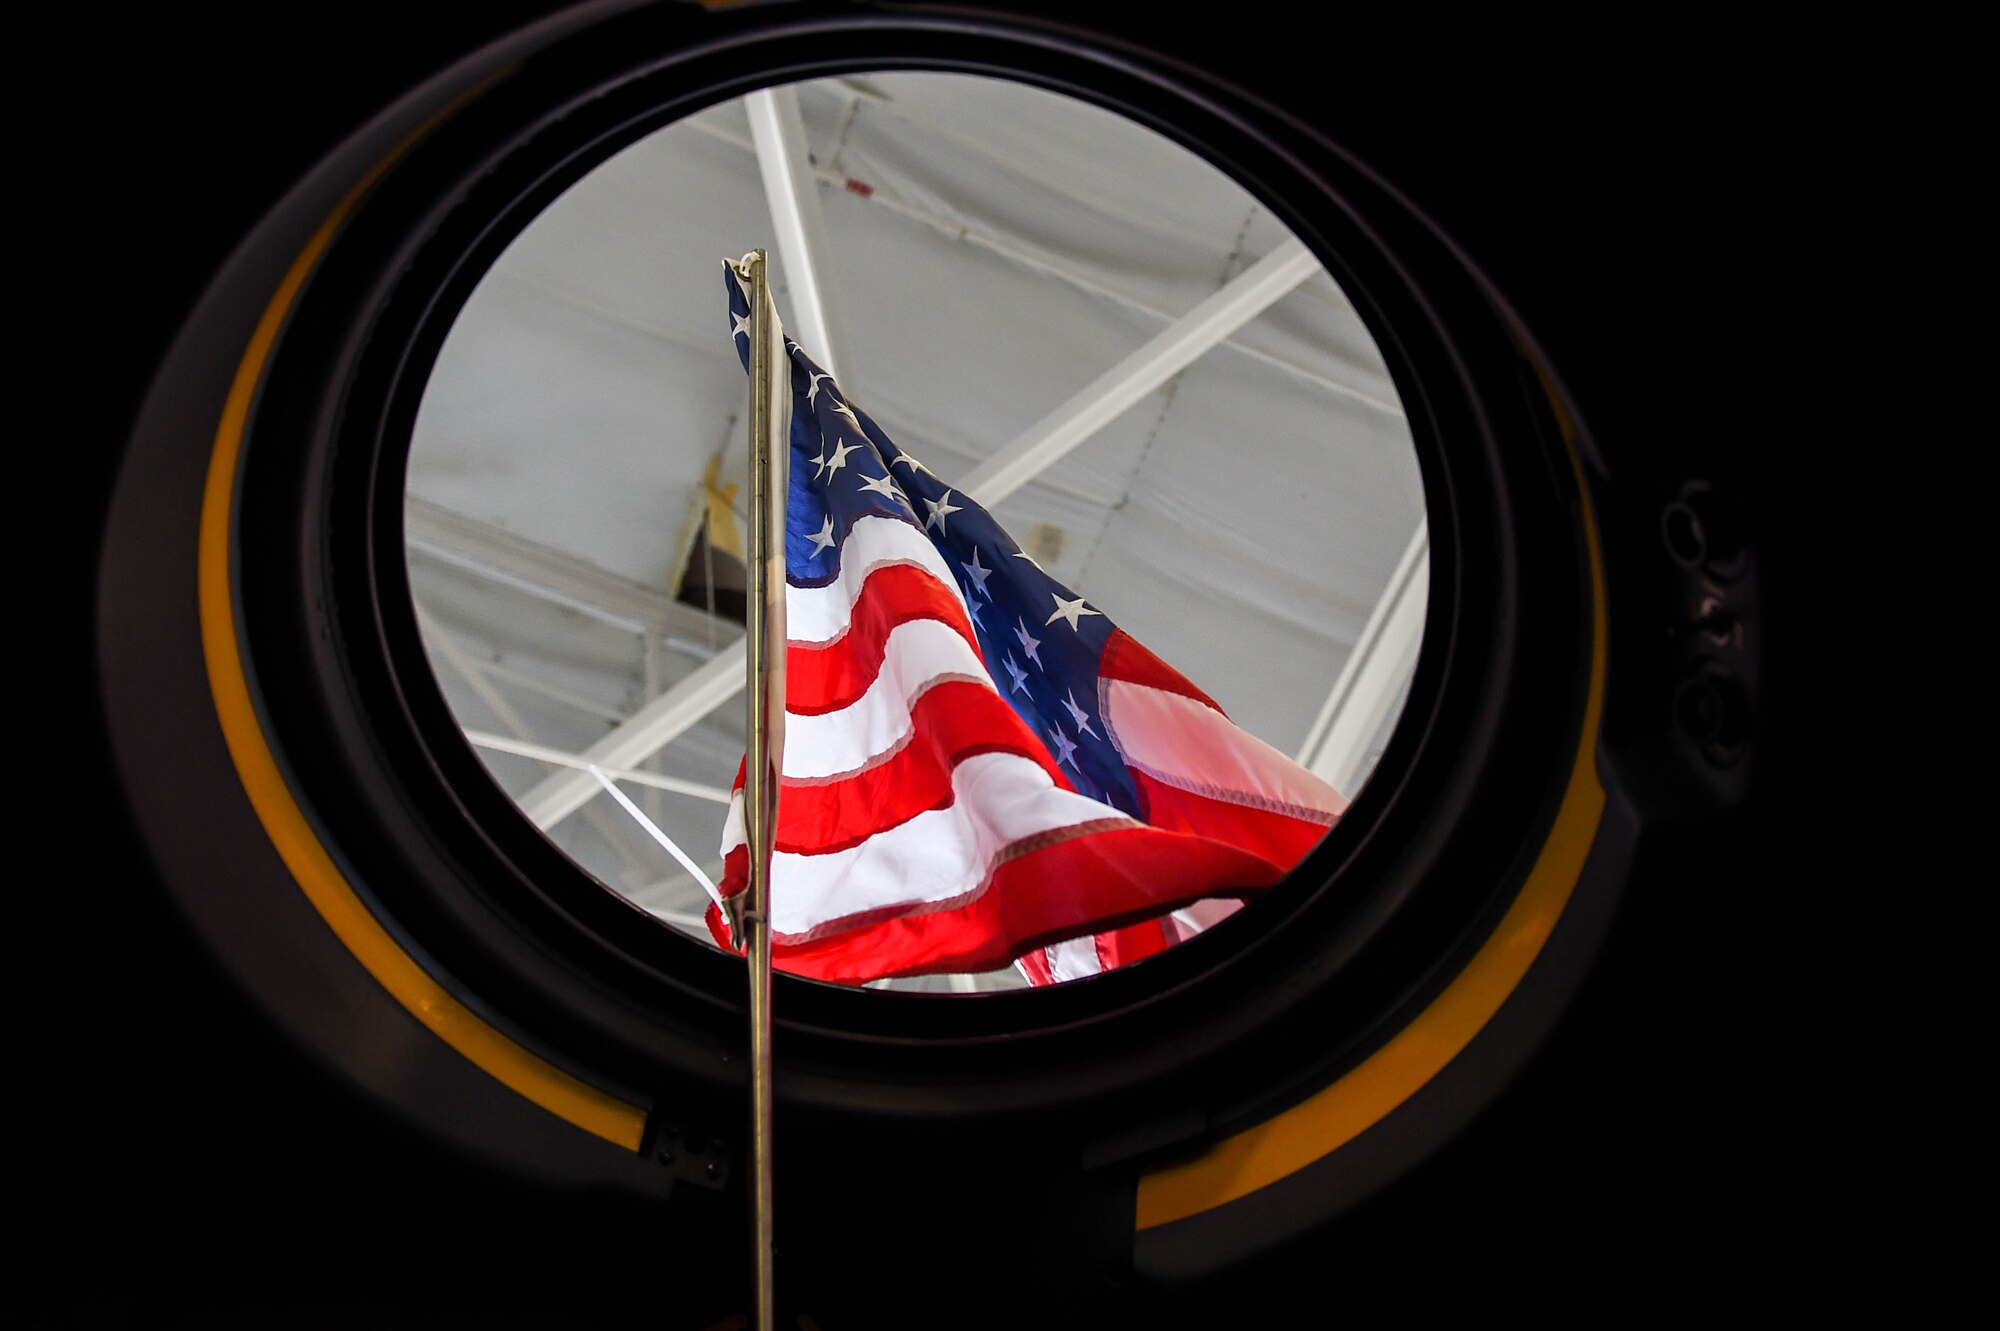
{"x": 1074, "y": 958}
{"x": 817, "y": 615}
{"x": 917, "y": 654}
{"x": 999, "y": 801}
{"x": 734, "y": 833}
{"x": 1201, "y": 915}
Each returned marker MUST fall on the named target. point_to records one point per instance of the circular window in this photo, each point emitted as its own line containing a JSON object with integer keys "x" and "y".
{"x": 1101, "y": 348}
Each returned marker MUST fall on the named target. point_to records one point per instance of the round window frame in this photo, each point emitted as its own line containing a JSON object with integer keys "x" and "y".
{"x": 318, "y": 695}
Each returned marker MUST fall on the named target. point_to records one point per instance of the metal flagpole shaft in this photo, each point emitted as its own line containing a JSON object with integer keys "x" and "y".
{"x": 765, "y": 648}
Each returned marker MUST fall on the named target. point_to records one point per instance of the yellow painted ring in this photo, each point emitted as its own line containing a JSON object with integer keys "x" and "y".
{"x": 277, "y": 808}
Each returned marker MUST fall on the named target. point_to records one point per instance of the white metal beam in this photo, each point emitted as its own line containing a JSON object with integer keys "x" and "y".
{"x": 545, "y": 753}
{"x": 467, "y": 669}
{"x": 552, "y": 575}
{"x": 710, "y": 685}
{"x": 791, "y": 188}
{"x": 1036, "y": 261}
{"x": 1373, "y": 678}
{"x": 1169, "y": 351}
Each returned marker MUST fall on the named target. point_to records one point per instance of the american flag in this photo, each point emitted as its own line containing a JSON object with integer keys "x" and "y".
{"x": 979, "y": 767}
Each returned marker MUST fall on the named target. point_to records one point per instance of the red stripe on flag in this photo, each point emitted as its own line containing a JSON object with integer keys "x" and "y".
{"x": 1277, "y": 837}
{"x": 1121, "y": 874}
{"x": 1035, "y": 965}
{"x": 1119, "y": 947}
{"x": 951, "y": 722}
{"x": 1135, "y": 942}
{"x": 1126, "y": 658}
{"x": 825, "y": 678}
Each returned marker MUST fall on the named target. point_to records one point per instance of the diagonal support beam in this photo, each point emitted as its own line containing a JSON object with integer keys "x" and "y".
{"x": 545, "y": 753}
{"x": 456, "y": 657}
{"x": 1168, "y": 352}
{"x": 1030, "y": 259}
{"x": 1373, "y": 677}
{"x": 504, "y": 557}
{"x": 791, "y": 187}
{"x": 649, "y": 729}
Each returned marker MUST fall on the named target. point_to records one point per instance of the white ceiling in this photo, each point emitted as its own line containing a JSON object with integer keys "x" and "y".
{"x": 990, "y": 251}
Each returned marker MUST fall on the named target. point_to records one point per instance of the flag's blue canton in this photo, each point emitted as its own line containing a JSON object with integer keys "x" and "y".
{"x": 1040, "y": 641}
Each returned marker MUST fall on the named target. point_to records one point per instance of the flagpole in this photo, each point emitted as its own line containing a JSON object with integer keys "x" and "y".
{"x": 764, "y": 645}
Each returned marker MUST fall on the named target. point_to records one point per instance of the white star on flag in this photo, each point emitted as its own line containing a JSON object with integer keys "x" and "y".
{"x": 885, "y": 487}
{"x": 839, "y": 458}
{"x": 940, "y": 509}
{"x": 1081, "y": 717}
{"x": 1020, "y": 675}
{"x": 1028, "y": 644}
{"x": 978, "y": 574}
{"x": 1069, "y": 610}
